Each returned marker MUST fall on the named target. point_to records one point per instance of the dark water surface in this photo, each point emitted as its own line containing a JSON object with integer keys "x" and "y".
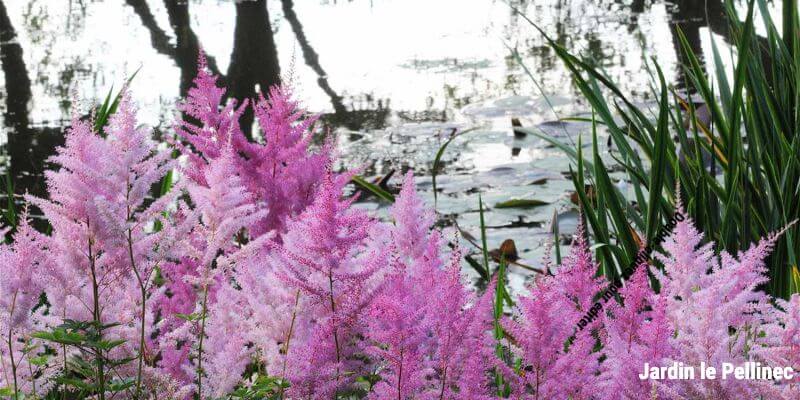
{"x": 393, "y": 78}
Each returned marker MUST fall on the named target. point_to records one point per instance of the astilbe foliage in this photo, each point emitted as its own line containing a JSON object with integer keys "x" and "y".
{"x": 553, "y": 366}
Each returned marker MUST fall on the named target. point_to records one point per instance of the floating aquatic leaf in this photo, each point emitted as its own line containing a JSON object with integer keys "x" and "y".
{"x": 521, "y": 203}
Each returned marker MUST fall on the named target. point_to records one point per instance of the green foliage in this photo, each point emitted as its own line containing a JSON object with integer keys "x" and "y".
{"x": 372, "y": 188}
{"x": 437, "y": 161}
{"x": 739, "y": 167}
{"x": 264, "y": 387}
{"x": 109, "y": 106}
{"x": 78, "y": 376}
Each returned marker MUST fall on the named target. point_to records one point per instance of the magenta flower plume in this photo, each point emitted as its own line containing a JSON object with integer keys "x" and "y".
{"x": 463, "y": 348}
{"x": 217, "y": 124}
{"x": 280, "y": 172}
{"x": 783, "y": 350}
{"x": 103, "y": 252}
{"x": 636, "y": 332}
{"x": 98, "y": 209}
{"x": 225, "y": 209}
{"x": 325, "y": 255}
{"x": 714, "y": 308}
{"x": 413, "y": 222}
{"x": 283, "y": 173}
{"x": 19, "y": 295}
{"x": 399, "y": 318}
{"x": 555, "y": 367}
{"x": 428, "y": 331}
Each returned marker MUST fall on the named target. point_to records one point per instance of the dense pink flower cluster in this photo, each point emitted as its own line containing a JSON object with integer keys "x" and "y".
{"x": 254, "y": 265}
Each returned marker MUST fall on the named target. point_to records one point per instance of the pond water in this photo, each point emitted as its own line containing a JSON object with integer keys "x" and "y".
{"x": 392, "y": 78}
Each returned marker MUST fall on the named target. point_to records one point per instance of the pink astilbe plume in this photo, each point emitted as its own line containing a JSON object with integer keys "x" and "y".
{"x": 226, "y": 349}
{"x": 428, "y": 331}
{"x": 283, "y": 172}
{"x": 397, "y": 326}
{"x": 216, "y": 124}
{"x": 714, "y": 309}
{"x": 265, "y": 312}
{"x": 463, "y": 349}
{"x": 80, "y": 229}
{"x": 783, "y": 336}
{"x": 19, "y": 295}
{"x": 177, "y": 297}
{"x": 280, "y": 172}
{"x": 412, "y": 223}
{"x": 552, "y": 368}
{"x": 636, "y": 332}
{"x": 325, "y": 255}
{"x": 103, "y": 251}
{"x": 225, "y": 209}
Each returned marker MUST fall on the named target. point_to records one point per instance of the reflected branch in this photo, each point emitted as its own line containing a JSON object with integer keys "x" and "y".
{"x": 184, "y": 52}
{"x": 26, "y": 146}
{"x": 254, "y": 60}
{"x": 17, "y": 81}
{"x": 311, "y": 57}
{"x": 187, "y": 44}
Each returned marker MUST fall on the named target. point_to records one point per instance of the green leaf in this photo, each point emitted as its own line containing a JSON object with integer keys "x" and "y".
{"x": 109, "y": 106}
{"x": 61, "y": 336}
{"x": 105, "y": 345}
{"x": 39, "y": 361}
{"x": 477, "y": 267}
{"x": 372, "y": 188}
{"x": 74, "y": 382}
{"x": 484, "y": 245}
{"x": 188, "y": 317}
{"x": 438, "y": 159}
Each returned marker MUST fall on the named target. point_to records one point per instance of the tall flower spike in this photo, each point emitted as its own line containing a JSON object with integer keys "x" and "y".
{"x": 400, "y": 318}
{"x": 225, "y": 210}
{"x": 713, "y": 306}
{"x": 19, "y": 295}
{"x": 638, "y": 333}
{"x": 783, "y": 350}
{"x": 325, "y": 255}
{"x": 280, "y": 174}
{"x": 554, "y": 367}
{"x": 412, "y": 221}
{"x": 463, "y": 346}
{"x": 216, "y": 125}
{"x": 102, "y": 253}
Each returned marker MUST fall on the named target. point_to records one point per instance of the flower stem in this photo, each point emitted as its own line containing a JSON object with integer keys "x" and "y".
{"x": 11, "y": 348}
{"x": 143, "y": 312}
{"x": 101, "y": 378}
{"x": 288, "y": 339}
{"x": 200, "y": 344}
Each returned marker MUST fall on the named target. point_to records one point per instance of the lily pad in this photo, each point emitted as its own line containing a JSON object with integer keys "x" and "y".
{"x": 521, "y": 203}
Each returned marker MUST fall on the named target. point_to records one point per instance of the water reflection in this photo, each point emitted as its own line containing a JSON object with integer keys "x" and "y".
{"x": 25, "y": 145}
{"x": 392, "y": 77}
